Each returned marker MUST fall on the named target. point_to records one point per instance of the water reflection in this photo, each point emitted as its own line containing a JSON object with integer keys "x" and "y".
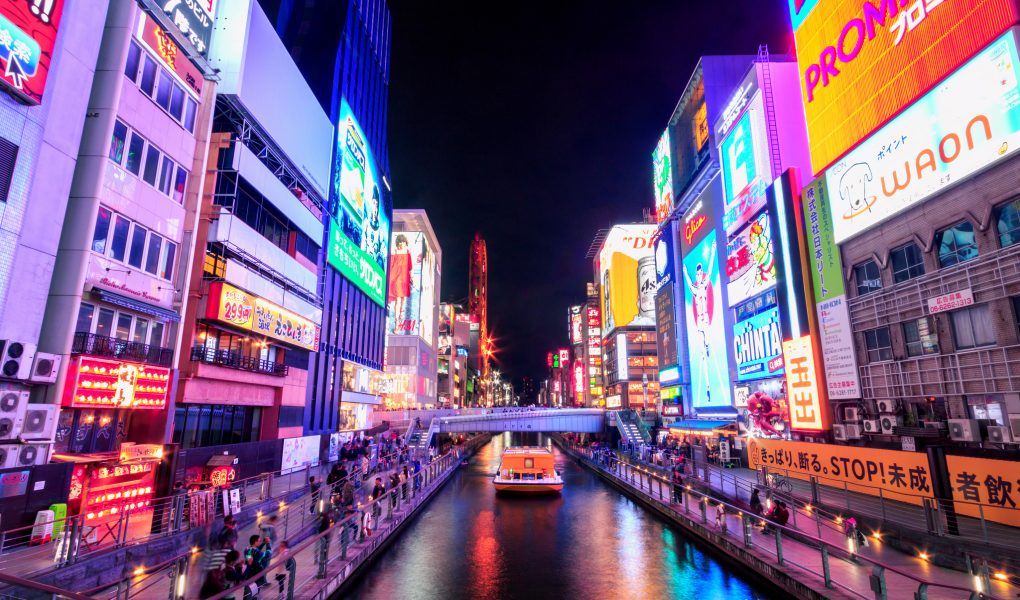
{"x": 589, "y": 542}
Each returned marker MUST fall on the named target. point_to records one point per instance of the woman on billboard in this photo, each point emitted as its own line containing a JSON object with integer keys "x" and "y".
{"x": 400, "y": 280}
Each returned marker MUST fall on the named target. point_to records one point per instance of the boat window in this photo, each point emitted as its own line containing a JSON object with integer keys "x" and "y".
{"x": 517, "y": 475}
{"x": 529, "y": 463}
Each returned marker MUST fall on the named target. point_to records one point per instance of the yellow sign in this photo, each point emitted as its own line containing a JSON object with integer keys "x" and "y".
{"x": 247, "y": 311}
{"x": 891, "y": 474}
{"x": 993, "y": 483}
{"x": 806, "y": 412}
{"x": 627, "y": 277}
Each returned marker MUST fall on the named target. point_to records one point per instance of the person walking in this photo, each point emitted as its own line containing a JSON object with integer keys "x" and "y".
{"x": 394, "y": 484}
{"x": 228, "y": 535}
{"x": 720, "y": 517}
{"x": 314, "y": 491}
{"x": 347, "y": 495}
{"x": 756, "y": 505}
{"x": 268, "y": 529}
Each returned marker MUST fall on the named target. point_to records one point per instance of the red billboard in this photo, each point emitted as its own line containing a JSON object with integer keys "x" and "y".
{"x": 863, "y": 61}
{"x": 28, "y": 32}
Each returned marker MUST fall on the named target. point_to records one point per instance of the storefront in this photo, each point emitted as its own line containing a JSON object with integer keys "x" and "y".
{"x": 362, "y": 392}
{"x": 709, "y": 441}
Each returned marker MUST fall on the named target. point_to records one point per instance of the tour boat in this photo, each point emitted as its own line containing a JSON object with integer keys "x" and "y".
{"x": 527, "y": 469}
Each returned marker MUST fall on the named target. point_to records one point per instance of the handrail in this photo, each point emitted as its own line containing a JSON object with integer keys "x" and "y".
{"x": 93, "y": 344}
{"x": 42, "y": 587}
{"x": 540, "y": 413}
{"x": 235, "y": 360}
{"x": 794, "y": 533}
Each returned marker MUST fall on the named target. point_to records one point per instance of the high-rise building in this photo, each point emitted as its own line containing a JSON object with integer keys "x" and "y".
{"x": 454, "y": 342}
{"x": 413, "y": 311}
{"x": 478, "y": 301}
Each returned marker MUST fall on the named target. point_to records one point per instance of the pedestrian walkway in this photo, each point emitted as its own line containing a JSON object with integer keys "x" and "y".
{"x": 801, "y": 541}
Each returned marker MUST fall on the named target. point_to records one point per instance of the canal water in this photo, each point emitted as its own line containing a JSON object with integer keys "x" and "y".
{"x": 591, "y": 542}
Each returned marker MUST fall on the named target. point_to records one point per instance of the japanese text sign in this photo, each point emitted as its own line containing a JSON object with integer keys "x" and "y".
{"x": 806, "y": 413}
{"x": 230, "y": 305}
{"x": 994, "y": 483}
{"x": 28, "y": 34}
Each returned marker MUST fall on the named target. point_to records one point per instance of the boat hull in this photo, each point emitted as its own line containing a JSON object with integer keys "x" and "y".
{"x": 528, "y": 488}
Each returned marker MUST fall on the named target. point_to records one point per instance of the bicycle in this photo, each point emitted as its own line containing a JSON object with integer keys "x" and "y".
{"x": 774, "y": 481}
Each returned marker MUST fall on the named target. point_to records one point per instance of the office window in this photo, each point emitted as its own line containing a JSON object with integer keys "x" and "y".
{"x": 134, "y": 157}
{"x": 180, "y": 183}
{"x": 148, "y": 75}
{"x": 151, "y": 166}
{"x": 102, "y": 231}
{"x": 973, "y": 327}
{"x": 152, "y": 258}
{"x": 141, "y": 331}
{"x": 104, "y": 322}
{"x": 197, "y": 425}
{"x": 163, "y": 90}
{"x": 921, "y": 337}
{"x": 133, "y": 60}
{"x": 85, "y": 314}
{"x": 137, "y": 246}
{"x": 957, "y": 244}
{"x": 118, "y": 244}
{"x": 879, "y": 344}
{"x": 190, "y": 108}
{"x": 120, "y": 131}
{"x": 1008, "y": 224}
{"x": 8, "y": 159}
{"x": 166, "y": 269}
{"x": 907, "y": 263}
{"x": 166, "y": 175}
{"x": 158, "y": 83}
{"x": 177, "y": 102}
{"x": 868, "y": 278}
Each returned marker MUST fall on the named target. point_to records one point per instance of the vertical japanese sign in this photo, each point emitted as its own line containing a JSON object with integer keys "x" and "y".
{"x": 834, "y": 331}
{"x": 28, "y": 33}
{"x": 195, "y": 20}
{"x": 802, "y": 385}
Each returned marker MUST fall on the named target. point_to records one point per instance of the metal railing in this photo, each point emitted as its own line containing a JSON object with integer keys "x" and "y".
{"x": 93, "y": 344}
{"x": 767, "y": 538}
{"x": 235, "y": 360}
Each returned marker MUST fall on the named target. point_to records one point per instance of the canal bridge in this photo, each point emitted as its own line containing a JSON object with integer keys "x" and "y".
{"x": 578, "y": 420}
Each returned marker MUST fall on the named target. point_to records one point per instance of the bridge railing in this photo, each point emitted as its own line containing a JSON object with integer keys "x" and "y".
{"x": 540, "y": 413}
{"x": 688, "y": 502}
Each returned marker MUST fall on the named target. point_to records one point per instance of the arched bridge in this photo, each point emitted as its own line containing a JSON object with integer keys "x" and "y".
{"x": 579, "y": 420}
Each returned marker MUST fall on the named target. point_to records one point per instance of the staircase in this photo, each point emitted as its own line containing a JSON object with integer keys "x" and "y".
{"x": 630, "y": 430}
{"x": 419, "y": 440}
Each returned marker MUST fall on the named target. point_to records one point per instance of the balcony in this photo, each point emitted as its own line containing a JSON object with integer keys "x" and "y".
{"x": 233, "y": 360}
{"x": 108, "y": 347}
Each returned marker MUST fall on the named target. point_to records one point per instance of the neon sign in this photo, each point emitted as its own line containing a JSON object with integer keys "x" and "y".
{"x": 101, "y": 383}
{"x": 28, "y": 34}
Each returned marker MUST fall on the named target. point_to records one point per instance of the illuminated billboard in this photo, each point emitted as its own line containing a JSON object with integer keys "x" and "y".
{"x": 758, "y": 346}
{"x": 745, "y": 165}
{"x": 968, "y": 122}
{"x": 28, "y": 34}
{"x": 862, "y": 61}
{"x": 249, "y": 312}
{"x": 750, "y": 261}
{"x": 806, "y": 412}
{"x": 412, "y": 286}
{"x": 626, "y": 270}
{"x": 665, "y": 311}
{"x": 692, "y": 132}
{"x": 359, "y": 228}
{"x": 576, "y": 320}
{"x": 706, "y": 334}
{"x": 662, "y": 178}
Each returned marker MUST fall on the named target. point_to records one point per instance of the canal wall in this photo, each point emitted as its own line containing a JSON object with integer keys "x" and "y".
{"x": 761, "y": 566}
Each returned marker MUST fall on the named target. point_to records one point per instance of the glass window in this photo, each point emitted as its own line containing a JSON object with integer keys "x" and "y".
{"x": 879, "y": 344}
{"x": 180, "y": 421}
{"x": 151, "y": 165}
{"x": 180, "y": 183}
{"x": 163, "y": 90}
{"x": 156, "y": 334}
{"x": 118, "y": 244}
{"x": 104, "y": 323}
{"x": 868, "y": 278}
{"x": 148, "y": 74}
{"x": 256, "y": 424}
{"x": 141, "y": 332}
{"x": 203, "y": 426}
{"x": 137, "y": 246}
{"x": 921, "y": 337}
{"x": 120, "y": 132}
{"x": 973, "y": 327}
{"x": 152, "y": 258}
{"x": 957, "y": 244}
{"x": 177, "y": 102}
{"x": 166, "y": 175}
{"x": 167, "y": 264}
{"x": 134, "y": 157}
{"x": 85, "y": 313}
{"x": 1008, "y": 224}
{"x": 133, "y": 59}
{"x": 102, "y": 230}
{"x": 123, "y": 326}
{"x": 216, "y": 425}
{"x": 907, "y": 263}
{"x": 190, "y": 108}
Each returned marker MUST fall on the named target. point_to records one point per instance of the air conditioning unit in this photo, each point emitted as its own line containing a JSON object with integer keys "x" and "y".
{"x": 1014, "y": 426}
{"x": 40, "y": 422}
{"x": 839, "y": 432}
{"x": 16, "y": 359}
{"x": 872, "y": 426}
{"x": 997, "y": 434}
{"x": 890, "y": 421}
{"x": 9, "y": 456}
{"x": 853, "y": 431}
{"x": 964, "y": 430}
{"x": 31, "y": 454}
{"x": 45, "y": 367}
{"x": 887, "y": 406}
{"x": 12, "y": 413}
{"x": 852, "y": 413}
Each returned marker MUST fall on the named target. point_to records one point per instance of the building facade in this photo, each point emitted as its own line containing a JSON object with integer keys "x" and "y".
{"x": 478, "y": 303}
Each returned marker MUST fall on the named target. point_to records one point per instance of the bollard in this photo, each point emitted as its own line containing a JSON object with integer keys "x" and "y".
{"x": 748, "y": 542}
{"x": 922, "y": 592}
{"x": 878, "y": 584}
{"x": 779, "y": 546}
{"x": 825, "y": 567}
{"x": 814, "y": 490}
{"x": 703, "y": 506}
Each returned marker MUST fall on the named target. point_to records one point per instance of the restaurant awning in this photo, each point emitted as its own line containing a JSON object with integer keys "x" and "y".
{"x": 703, "y": 427}
{"x": 137, "y": 305}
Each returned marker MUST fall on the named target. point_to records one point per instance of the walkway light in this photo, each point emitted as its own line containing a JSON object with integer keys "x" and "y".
{"x": 139, "y": 571}
{"x": 923, "y": 556}
{"x": 1001, "y": 576}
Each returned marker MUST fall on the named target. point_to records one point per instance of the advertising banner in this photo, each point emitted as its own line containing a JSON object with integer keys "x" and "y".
{"x": 576, "y": 322}
{"x": 836, "y": 336}
{"x": 758, "y": 346}
{"x": 994, "y": 483}
{"x": 750, "y": 261}
{"x": 892, "y": 474}
{"x": 951, "y": 301}
{"x": 706, "y": 334}
{"x": 105, "y": 383}
{"x": 862, "y": 61}
{"x": 965, "y": 124}
{"x": 28, "y": 34}
{"x": 359, "y": 228}
{"x": 194, "y": 18}
{"x": 806, "y": 406}
{"x": 627, "y": 274}
{"x": 662, "y": 178}
{"x": 665, "y": 323}
{"x": 690, "y": 138}
{"x": 412, "y": 286}
{"x": 229, "y": 304}
{"x": 298, "y": 452}
{"x": 746, "y": 168}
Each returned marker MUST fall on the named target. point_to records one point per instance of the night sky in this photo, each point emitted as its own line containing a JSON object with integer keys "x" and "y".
{"x": 533, "y": 123}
